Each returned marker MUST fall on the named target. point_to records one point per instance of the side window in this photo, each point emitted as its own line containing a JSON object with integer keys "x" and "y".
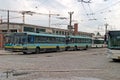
{"x": 37, "y": 39}
{"x": 24, "y": 40}
{"x": 44, "y": 39}
{"x": 62, "y": 40}
{"x": 30, "y": 39}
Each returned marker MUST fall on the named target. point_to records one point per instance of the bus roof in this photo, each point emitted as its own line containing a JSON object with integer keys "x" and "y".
{"x": 46, "y": 34}
{"x": 43, "y": 34}
{"x": 115, "y": 32}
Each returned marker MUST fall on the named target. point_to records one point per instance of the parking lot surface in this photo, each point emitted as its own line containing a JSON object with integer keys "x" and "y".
{"x": 91, "y": 64}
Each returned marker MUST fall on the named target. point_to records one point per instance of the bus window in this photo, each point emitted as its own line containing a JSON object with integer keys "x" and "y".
{"x": 30, "y": 39}
{"x": 68, "y": 40}
{"x": 62, "y": 40}
{"x": 23, "y": 40}
{"x": 7, "y": 39}
{"x": 19, "y": 40}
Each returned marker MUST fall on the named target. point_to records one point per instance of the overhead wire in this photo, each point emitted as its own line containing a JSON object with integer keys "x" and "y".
{"x": 11, "y": 18}
{"x": 85, "y": 10}
{"x": 42, "y": 3}
{"x": 92, "y": 14}
{"x": 97, "y": 12}
{"x": 108, "y": 7}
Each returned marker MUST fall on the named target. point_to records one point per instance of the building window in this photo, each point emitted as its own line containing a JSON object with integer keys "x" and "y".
{"x": 28, "y": 29}
{"x": 57, "y": 32}
{"x": 53, "y": 31}
{"x": 66, "y": 33}
{"x": 63, "y": 33}
{"x": 4, "y": 30}
{"x": 40, "y": 30}
{"x": 13, "y": 30}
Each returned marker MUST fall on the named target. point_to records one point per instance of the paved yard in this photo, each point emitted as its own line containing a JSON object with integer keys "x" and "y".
{"x": 91, "y": 64}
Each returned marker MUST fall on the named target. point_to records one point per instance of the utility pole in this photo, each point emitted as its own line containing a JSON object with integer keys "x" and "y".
{"x": 49, "y": 19}
{"x": 1, "y": 20}
{"x": 23, "y": 18}
{"x": 106, "y": 25}
{"x": 70, "y": 24}
{"x": 8, "y": 21}
{"x": 50, "y": 14}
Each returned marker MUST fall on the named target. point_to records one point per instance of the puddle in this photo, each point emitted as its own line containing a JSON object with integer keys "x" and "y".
{"x": 11, "y": 74}
{"x": 49, "y": 56}
{"x": 20, "y": 73}
{"x": 5, "y": 75}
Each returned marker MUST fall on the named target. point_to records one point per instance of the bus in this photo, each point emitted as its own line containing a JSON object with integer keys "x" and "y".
{"x": 114, "y": 45}
{"x": 29, "y": 42}
{"x": 98, "y": 43}
{"x": 78, "y": 42}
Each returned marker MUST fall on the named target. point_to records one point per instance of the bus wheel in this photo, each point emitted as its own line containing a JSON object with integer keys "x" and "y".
{"x": 57, "y": 49}
{"x": 66, "y": 49}
{"x": 37, "y": 50}
{"x": 75, "y": 48}
{"x": 24, "y": 52}
{"x": 116, "y": 60}
{"x": 86, "y": 47}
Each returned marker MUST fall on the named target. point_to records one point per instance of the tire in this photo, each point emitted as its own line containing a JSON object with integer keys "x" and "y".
{"x": 24, "y": 52}
{"x": 75, "y": 48}
{"x": 86, "y": 47}
{"x": 115, "y": 60}
{"x": 57, "y": 49}
{"x": 66, "y": 49}
{"x": 37, "y": 50}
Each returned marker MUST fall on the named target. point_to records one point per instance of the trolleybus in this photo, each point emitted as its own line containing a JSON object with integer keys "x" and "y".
{"x": 29, "y": 42}
{"x": 98, "y": 43}
{"x": 114, "y": 45}
{"x": 78, "y": 42}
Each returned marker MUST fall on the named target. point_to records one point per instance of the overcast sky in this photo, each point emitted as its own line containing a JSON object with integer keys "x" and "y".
{"x": 91, "y": 17}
